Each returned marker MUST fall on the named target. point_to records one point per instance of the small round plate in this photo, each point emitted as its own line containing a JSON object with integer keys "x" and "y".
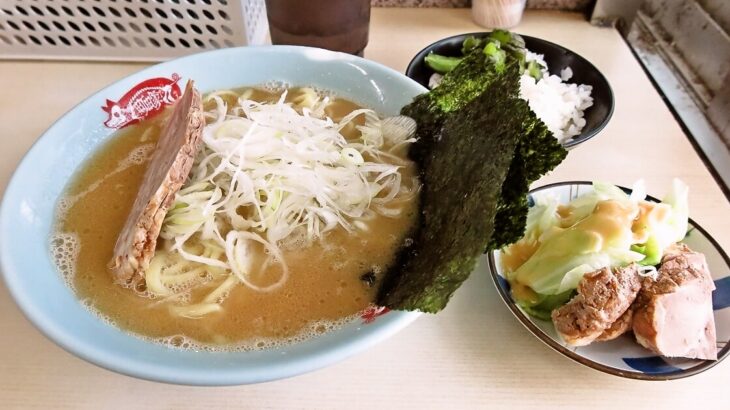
{"x": 557, "y": 58}
{"x": 623, "y": 356}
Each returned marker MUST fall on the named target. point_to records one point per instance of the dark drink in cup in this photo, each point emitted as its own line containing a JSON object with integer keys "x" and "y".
{"x": 339, "y": 25}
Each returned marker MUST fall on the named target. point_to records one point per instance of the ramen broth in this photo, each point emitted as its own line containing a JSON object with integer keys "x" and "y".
{"x": 325, "y": 287}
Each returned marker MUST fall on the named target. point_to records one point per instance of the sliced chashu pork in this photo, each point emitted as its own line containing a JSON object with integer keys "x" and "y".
{"x": 673, "y": 315}
{"x": 167, "y": 171}
{"x": 603, "y": 297}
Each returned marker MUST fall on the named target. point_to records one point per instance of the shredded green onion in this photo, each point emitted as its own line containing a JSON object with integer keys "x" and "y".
{"x": 269, "y": 173}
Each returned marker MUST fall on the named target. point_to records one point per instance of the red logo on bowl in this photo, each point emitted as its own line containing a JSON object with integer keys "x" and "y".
{"x": 143, "y": 101}
{"x": 372, "y": 312}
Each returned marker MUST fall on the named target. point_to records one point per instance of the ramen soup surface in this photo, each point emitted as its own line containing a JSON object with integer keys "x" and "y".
{"x": 327, "y": 284}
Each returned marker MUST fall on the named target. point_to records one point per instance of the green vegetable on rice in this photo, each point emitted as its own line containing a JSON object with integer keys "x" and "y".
{"x": 442, "y": 64}
{"x": 495, "y": 47}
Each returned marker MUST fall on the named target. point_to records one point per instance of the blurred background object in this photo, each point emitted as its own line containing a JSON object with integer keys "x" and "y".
{"x": 338, "y": 25}
{"x": 497, "y": 13}
{"x": 128, "y": 31}
{"x": 684, "y": 46}
{"x": 158, "y": 30}
{"x": 567, "y": 5}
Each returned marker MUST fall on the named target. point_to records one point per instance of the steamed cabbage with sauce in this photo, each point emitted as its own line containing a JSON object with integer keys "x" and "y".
{"x": 603, "y": 228}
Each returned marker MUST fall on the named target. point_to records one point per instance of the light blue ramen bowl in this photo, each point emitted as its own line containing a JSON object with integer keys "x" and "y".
{"x": 27, "y": 216}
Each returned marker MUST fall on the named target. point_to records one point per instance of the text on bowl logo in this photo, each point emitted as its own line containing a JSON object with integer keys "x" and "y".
{"x": 143, "y": 101}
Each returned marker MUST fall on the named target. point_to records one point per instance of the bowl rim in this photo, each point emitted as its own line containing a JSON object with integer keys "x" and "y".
{"x": 80, "y": 346}
{"x": 537, "y": 332}
{"x": 571, "y": 143}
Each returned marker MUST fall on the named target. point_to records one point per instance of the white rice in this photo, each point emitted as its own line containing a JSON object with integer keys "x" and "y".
{"x": 558, "y": 103}
{"x": 435, "y": 80}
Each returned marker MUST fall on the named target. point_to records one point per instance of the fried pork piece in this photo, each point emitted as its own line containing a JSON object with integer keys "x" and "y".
{"x": 603, "y": 297}
{"x": 167, "y": 171}
{"x": 622, "y": 325}
{"x": 673, "y": 315}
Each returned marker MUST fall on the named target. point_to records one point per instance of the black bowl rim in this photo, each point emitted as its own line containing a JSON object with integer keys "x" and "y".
{"x": 537, "y": 332}
{"x": 418, "y": 59}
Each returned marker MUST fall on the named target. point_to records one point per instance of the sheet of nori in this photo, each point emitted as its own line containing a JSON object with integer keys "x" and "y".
{"x": 479, "y": 149}
{"x": 537, "y": 153}
{"x": 463, "y": 157}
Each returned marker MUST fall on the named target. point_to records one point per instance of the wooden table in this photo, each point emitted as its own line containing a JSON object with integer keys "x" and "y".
{"x": 472, "y": 355}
